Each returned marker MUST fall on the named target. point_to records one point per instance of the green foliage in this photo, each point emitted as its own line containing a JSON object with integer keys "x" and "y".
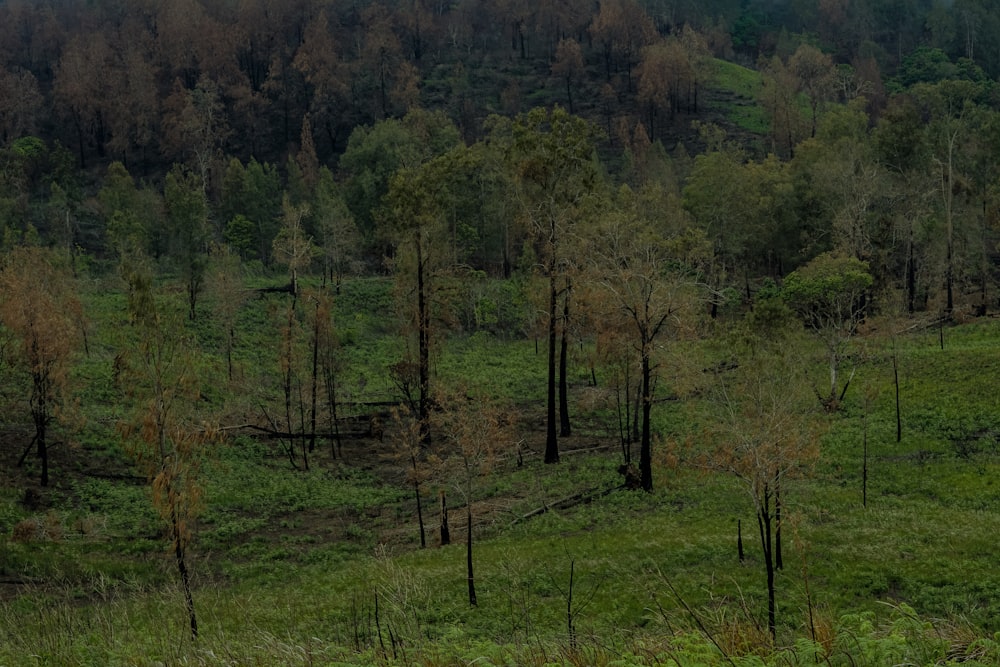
{"x": 375, "y": 153}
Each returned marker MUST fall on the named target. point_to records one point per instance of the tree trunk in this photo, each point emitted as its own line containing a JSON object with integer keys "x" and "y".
{"x": 287, "y": 382}
{"x": 565, "y": 429}
{"x": 864, "y": 457}
{"x": 445, "y": 530}
{"x": 468, "y": 554}
{"x": 834, "y": 362}
{"x": 551, "y": 444}
{"x": 41, "y": 415}
{"x": 764, "y": 523}
{"x": 778, "y": 561}
{"x": 645, "y": 449}
{"x": 423, "y": 343}
{"x": 185, "y": 577}
{"x": 895, "y": 379}
{"x": 420, "y": 510}
{"x": 315, "y": 382}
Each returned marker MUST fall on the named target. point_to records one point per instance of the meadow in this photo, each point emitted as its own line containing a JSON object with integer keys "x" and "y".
{"x": 324, "y": 566}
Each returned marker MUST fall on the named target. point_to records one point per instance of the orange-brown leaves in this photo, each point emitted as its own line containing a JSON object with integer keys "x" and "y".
{"x": 37, "y": 305}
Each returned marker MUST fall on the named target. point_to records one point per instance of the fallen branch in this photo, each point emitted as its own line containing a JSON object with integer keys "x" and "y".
{"x": 569, "y": 501}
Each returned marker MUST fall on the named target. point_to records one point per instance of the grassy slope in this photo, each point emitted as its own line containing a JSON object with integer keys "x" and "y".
{"x": 288, "y": 564}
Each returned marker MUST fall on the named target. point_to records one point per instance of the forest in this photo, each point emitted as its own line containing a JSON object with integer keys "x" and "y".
{"x": 454, "y": 332}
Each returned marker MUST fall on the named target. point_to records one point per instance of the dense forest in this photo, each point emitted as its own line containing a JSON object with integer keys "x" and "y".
{"x": 279, "y": 280}
{"x": 864, "y": 128}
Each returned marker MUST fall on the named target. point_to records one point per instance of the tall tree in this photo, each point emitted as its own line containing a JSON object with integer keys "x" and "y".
{"x": 763, "y": 433}
{"x": 37, "y": 305}
{"x": 195, "y": 126}
{"x": 568, "y": 65}
{"x": 318, "y": 60}
{"x": 163, "y": 380}
{"x": 815, "y": 73}
{"x": 187, "y": 213}
{"x": 419, "y": 202}
{"x": 950, "y": 105}
{"x": 553, "y": 158}
{"x": 21, "y": 104}
{"x": 646, "y": 301}
{"x": 80, "y": 91}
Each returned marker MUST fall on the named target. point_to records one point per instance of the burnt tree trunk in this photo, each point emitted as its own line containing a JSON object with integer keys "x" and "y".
{"x": 179, "y": 556}
{"x": 42, "y": 386}
{"x": 551, "y": 444}
{"x": 423, "y": 344}
{"x": 420, "y": 509}
{"x": 778, "y": 562}
{"x": 645, "y": 446}
{"x": 565, "y": 429}
{"x": 445, "y": 530}
{"x": 767, "y": 544}
{"x": 468, "y": 555}
{"x": 315, "y": 382}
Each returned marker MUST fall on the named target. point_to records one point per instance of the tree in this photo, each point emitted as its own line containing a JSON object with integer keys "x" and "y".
{"x": 163, "y": 380}
{"x": 763, "y": 435}
{"x": 380, "y": 61}
{"x": 37, "y": 304}
{"x": 293, "y": 247}
{"x": 317, "y": 59}
{"x": 568, "y": 65}
{"x": 623, "y": 27}
{"x": 646, "y": 276}
{"x": 829, "y": 295}
{"x": 552, "y": 155}
{"x": 375, "y": 153}
{"x": 409, "y": 452}
{"x": 133, "y": 102}
{"x": 950, "y": 105}
{"x": 842, "y": 185}
{"x": 80, "y": 91}
{"x": 418, "y": 204}
{"x": 669, "y": 75}
{"x": 339, "y": 238}
{"x": 815, "y": 74}
{"x": 187, "y": 214}
{"x": 225, "y": 287}
{"x": 479, "y": 435}
{"x": 778, "y": 97}
{"x": 195, "y": 126}
{"x": 21, "y": 104}
{"x": 747, "y": 211}
{"x": 250, "y": 208}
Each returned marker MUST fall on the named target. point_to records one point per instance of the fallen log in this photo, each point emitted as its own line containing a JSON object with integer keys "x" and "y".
{"x": 569, "y": 501}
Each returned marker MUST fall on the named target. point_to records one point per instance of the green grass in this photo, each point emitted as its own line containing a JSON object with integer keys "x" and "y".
{"x": 744, "y": 86}
{"x": 288, "y": 563}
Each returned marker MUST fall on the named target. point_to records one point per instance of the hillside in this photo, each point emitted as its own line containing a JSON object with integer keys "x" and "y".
{"x": 289, "y": 565}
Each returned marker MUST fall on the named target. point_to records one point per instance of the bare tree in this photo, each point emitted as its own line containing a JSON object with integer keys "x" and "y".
{"x": 644, "y": 302}
{"x": 478, "y": 434}
{"x": 763, "y": 436}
